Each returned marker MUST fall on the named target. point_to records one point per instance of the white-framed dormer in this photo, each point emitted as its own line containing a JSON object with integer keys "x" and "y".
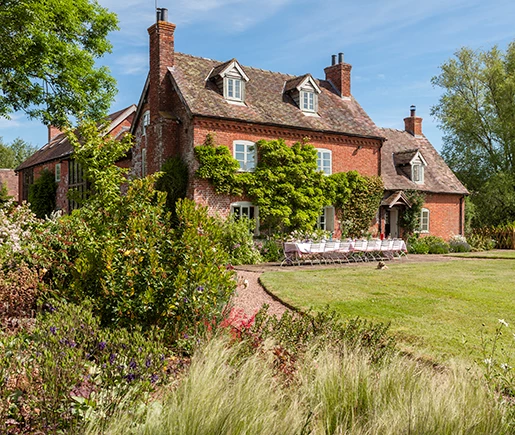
{"x": 305, "y": 91}
{"x": 418, "y": 164}
{"x": 325, "y": 161}
{"x": 231, "y": 80}
{"x": 245, "y": 209}
{"x": 244, "y": 151}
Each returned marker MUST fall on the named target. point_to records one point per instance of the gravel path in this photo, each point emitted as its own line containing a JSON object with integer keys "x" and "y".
{"x": 251, "y": 296}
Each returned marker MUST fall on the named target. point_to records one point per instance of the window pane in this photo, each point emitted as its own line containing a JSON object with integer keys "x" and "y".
{"x": 237, "y": 89}
{"x": 240, "y": 147}
{"x": 311, "y": 104}
{"x": 230, "y": 88}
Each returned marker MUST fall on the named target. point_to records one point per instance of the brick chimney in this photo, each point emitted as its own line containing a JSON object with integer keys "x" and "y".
{"x": 413, "y": 124}
{"x": 53, "y": 132}
{"x": 339, "y": 75}
{"x": 161, "y": 57}
{"x": 162, "y": 130}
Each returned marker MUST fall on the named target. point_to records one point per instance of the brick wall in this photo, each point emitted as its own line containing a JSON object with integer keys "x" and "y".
{"x": 348, "y": 153}
{"x": 9, "y": 178}
{"x": 445, "y": 211}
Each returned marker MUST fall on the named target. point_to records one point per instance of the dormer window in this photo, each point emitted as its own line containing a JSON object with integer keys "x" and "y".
{"x": 304, "y": 91}
{"x": 308, "y": 101}
{"x": 417, "y": 173}
{"x": 230, "y": 79}
{"x": 234, "y": 88}
{"x": 411, "y": 164}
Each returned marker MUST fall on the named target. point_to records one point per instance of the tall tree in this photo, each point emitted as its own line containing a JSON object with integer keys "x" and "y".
{"x": 47, "y": 59}
{"x": 13, "y": 154}
{"x": 477, "y": 114}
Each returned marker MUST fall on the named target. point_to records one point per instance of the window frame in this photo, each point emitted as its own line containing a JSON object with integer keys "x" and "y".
{"x": 246, "y": 153}
{"x": 57, "y": 172}
{"x": 420, "y": 178}
{"x": 321, "y": 159}
{"x": 230, "y": 83}
{"x": 314, "y": 101}
{"x": 143, "y": 162}
{"x": 424, "y": 228}
{"x": 145, "y": 122}
{"x": 323, "y": 221}
{"x": 252, "y": 209}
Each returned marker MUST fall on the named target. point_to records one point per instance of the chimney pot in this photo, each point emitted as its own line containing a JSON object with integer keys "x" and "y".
{"x": 340, "y": 57}
{"x": 333, "y": 59}
{"x": 413, "y": 109}
{"x": 162, "y": 14}
{"x": 413, "y": 123}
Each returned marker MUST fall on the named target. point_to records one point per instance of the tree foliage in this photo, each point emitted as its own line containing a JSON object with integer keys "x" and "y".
{"x": 287, "y": 186}
{"x": 289, "y": 189}
{"x": 357, "y": 199}
{"x": 477, "y": 115}
{"x": 42, "y": 194}
{"x": 47, "y": 59}
{"x": 15, "y": 153}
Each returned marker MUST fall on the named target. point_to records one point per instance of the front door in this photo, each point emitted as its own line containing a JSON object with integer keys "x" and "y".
{"x": 391, "y": 227}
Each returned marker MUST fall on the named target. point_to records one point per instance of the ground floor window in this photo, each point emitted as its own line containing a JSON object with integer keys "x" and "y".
{"x": 77, "y": 186}
{"x": 424, "y": 221}
{"x": 28, "y": 179}
{"x": 246, "y": 210}
{"x": 326, "y": 219}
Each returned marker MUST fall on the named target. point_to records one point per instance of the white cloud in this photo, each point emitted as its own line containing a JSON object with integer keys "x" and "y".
{"x": 132, "y": 63}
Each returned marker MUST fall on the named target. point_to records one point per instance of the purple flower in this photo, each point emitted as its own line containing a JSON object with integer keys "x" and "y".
{"x": 102, "y": 345}
{"x": 130, "y": 377}
{"x": 185, "y": 300}
{"x": 133, "y": 364}
{"x": 53, "y": 329}
{"x": 186, "y": 336}
{"x": 112, "y": 357}
{"x": 200, "y": 289}
{"x": 148, "y": 363}
{"x": 162, "y": 357}
{"x": 154, "y": 378}
{"x": 71, "y": 343}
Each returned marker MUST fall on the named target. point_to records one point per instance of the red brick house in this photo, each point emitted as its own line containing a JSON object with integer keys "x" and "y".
{"x": 187, "y": 97}
{"x": 9, "y": 179}
{"x": 56, "y": 156}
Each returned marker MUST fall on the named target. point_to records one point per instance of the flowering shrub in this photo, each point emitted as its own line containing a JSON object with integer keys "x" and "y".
{"x": 270, "y": 249}
{"x": 480, "y": 242}
{"x": 459, "y": 243}
{"x": 16, "y": 226}
{"x": 238, "y": 241}
{"x": 69, "y": 370}
{"x": 316, "y": 235}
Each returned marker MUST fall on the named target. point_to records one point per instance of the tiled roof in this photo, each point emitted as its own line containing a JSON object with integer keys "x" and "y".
{"x": 265, "y": 100}
{"x": 438, "y": 178}
{"x": 294, "y": 82}
{"x": 60, "y": 148}
{"x": 404, "y": 157}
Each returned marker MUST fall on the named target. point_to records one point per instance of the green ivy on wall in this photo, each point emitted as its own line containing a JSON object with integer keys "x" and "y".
{"x": 289, "y": 189}
{"x": 42, "y": 194}
{"x": 410, "y": 217}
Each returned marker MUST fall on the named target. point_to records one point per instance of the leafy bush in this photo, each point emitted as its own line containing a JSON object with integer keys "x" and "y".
{"x": 427, "y": 245}
{"x": 174, "y": 181}
{"x": 459, "y": 243}
{"x": 19, "y": 289}
{"x": 42, "y": 194}
{"x": 136, "y": 266}
{"x": 271, "y": 250}
{"x": 239, "y": 242}
{"x": 480, "y": 242}
{"x": 68, "y": 370}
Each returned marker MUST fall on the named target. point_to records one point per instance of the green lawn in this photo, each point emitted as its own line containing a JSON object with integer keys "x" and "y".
{"x": 495, "y": 254}
{"x": 436, "y": 309}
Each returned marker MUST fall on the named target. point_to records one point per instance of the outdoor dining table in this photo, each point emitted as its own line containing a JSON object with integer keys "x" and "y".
{"x": 390, "y": 248}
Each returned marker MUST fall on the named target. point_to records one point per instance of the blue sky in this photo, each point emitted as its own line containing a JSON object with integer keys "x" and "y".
{"x": 394, "y": 46}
